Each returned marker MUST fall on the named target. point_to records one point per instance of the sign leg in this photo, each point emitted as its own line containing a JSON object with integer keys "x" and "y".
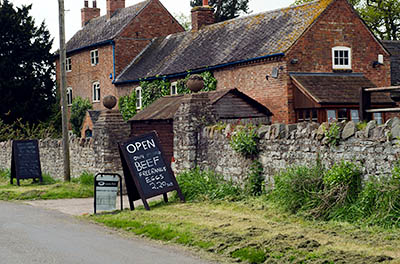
{"x": 131, "y": 204}
{"x": 178, "y": 190}
{"x": 165, "y": 197}
{"x": 146, "y": 205}
{"x": 18, "y": 182}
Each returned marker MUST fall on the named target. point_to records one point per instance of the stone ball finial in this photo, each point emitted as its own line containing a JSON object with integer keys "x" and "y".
{"x": 195, "y": 83}
{"x": 109, "y": 101}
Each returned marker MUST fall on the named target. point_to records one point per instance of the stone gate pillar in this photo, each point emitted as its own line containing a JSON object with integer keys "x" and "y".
{"x": 194, "y": 113}
{"x": 109, "y": 129}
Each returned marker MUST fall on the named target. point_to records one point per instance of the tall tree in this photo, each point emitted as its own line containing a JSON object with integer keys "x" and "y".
{"x": 381, "y": 16}
{"x": 26, "y": 66}
{"x": 225, "y": 9}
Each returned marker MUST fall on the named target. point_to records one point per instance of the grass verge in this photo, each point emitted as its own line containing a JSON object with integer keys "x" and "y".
{"x": 81, "y": 187}
{"x": 254, "y": 231}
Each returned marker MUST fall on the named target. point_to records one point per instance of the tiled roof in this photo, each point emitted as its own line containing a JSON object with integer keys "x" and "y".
{"x": 101, "y": 29}
{"x": 165, "y": 107}
{"x": 394, "y": 49}
{"x": 235, "y": 40}
{"x": 336, "y": 88}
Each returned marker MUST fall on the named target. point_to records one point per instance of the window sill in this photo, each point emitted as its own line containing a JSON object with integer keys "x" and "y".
{"x": 343, "y": 70}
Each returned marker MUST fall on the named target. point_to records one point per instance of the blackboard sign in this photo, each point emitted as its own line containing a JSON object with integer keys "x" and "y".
{"x": 145, "y": 170}
{"x": 25, "y": 160}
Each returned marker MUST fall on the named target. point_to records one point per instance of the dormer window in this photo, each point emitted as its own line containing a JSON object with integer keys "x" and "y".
{"x": 68, "y": 64}
{"x": 94, "y": 57}
{"x": 341, "y": 58}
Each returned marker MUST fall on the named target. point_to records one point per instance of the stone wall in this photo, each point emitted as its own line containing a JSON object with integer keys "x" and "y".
{"x": 51, "y": 156}
{"x": 376, "y": 148}
{"x": 99, "y": 154}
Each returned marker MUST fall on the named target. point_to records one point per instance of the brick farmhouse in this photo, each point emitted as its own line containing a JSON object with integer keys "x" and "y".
{"x": 304, "y": 63}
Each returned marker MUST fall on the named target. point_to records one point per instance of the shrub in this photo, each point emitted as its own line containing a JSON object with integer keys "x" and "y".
{"x": 85, "y": 178}
{"x": 78, "y": 111}
{"x": 333, "y": 134}
{"x": 297, "y": 188}
{"x": 207, "y": 185}
{"x": 21, "y": 131}
{"x": 255, "y": 180}
{"x": 127, "y": 106}
{"x": 244, "y": 140}
{"x": 342, "y": 184}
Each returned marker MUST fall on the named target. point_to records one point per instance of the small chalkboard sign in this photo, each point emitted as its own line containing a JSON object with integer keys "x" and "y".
{"x": 25, "y": 161}
{"x": 145, "y": 170}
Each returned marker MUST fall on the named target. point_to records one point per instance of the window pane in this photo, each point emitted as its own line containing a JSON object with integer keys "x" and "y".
{"x": 301, "y": 116}
{"x": 342, "y": 114}
{"x": 331, "y": 114}
{"x": 355, "y": 116}
{"x": 378, "y": 118}
{"x": 336, "y": 61}
{"x": 307, "y": 115}
{"x": 314, "y": 116}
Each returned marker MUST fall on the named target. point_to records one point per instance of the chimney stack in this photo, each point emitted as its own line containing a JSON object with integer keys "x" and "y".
{"x": 113, "y": 6}
{"x": 88, "y": 13}
{"x": 202, "y": 16}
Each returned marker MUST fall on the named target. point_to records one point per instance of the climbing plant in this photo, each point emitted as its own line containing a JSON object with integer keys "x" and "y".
{"x": 127, "y": 106}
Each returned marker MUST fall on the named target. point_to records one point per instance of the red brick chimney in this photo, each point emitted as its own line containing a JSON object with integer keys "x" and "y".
{"x": 202, "y": 16}
{"x": 88, "y": 13}
{"x": 114, "y": 5}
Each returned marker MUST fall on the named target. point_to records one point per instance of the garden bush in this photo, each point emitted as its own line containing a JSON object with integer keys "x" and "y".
{"x": 297, "y": 188}
{"x": 198, "y": 185}
{"x": 244, "y": 140}
{"x": 78, "y": 111}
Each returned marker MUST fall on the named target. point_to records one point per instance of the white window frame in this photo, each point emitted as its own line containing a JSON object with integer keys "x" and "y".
{"x": 139, "y": 98}
{"x": 174, "y": 87}
{"x": 68, "y": 64}
{"x": 331, "y": 111}
{"x": 339, "y": 66}
{"x": 94, "y": 57}
{"x": 355, "y": 115}
{"x": 96, "y": 92}
{"x": 69, "y": 96}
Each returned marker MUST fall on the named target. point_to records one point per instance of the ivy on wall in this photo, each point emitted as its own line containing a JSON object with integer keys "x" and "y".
{"x": 153, "y": 90}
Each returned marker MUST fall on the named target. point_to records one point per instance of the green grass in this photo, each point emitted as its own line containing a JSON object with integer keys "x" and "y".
{"x": 253, "y": 230}
{"x": 48, "y": 189}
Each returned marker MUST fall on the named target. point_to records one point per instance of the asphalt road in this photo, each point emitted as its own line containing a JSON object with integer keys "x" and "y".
{"x": 30, "y": 235}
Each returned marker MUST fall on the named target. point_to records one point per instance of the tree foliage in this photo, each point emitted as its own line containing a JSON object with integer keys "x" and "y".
{"x": 78, "y": 112}
{"x": 381, "y": 16}
{"x": 26, "y": 66}
{"x": 225, "y": 9}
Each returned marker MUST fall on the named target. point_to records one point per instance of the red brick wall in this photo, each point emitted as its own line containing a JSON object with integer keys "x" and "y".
{"x": 340, "y": 26}
{"x": 153, "y": 21}
{"x": 251, "y": 79}
{"x": 83, "y": 75}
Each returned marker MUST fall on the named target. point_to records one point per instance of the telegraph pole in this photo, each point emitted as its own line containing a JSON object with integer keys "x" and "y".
{"x": 63, "y": 88}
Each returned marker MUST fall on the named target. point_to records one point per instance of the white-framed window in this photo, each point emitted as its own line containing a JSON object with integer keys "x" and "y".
{"x": 96, "y": 92}
{"x": 341, "y": 57}
{"x": 69, "y": 96}
{"x": 355, "y": 115}
{"x": 68, "y": 64}
{"x": 94, "y": 57}
{"x": 138, "y": 98}
{"x": 378, "y": 118}
{"x": 174, "y": 88}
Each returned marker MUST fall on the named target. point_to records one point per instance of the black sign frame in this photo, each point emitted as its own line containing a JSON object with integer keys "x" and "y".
{"x": 16, "y": 162}
{"x": 133, "y": 185}
{"x": 120, "y": 188}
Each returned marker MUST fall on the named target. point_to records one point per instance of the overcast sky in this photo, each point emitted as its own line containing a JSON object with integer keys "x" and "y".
{"x": 47, "y": 10}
